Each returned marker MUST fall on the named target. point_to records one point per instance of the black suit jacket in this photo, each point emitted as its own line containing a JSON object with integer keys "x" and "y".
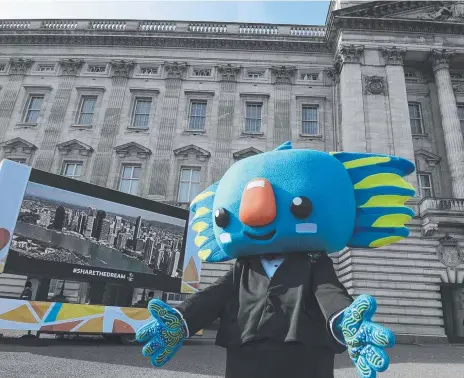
{"x": 296, "y": 304}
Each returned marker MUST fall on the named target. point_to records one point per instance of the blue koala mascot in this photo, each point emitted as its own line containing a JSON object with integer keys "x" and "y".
{"x": 283, "y": 312}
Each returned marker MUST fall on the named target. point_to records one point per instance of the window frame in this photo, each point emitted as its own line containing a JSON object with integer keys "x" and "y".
{"x": 75, "y": 163}
{"x": 318, "y": 122}
{"x": 190, "y": 182}
{"x": 131, "y": 179}
{"x": 27, "y": 108}
{"x": 204, "y": 116}
{"x": 82, "y": 99}
{"x": 138, "y": 98}
{"x": 261, "y": 106}
{"x": 421, "y": 118}
{"x": 420, "y": 187}
{"x": 460, "y": 105}
{"x": 17, "y": 160}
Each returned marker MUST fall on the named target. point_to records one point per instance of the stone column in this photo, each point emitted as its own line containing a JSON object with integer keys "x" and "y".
{"x": 353, "y": 128}
{"x": 399, "y": 111}
{"x": 120, "y": 70}
{"x": 454, "y": 139}
{"x": 17, "y": 70}
{"x": 55, "y": 126}
{"x": 224, "y": 133}
{"x": 282, "y": 104}
{"x": 163, "y": 151}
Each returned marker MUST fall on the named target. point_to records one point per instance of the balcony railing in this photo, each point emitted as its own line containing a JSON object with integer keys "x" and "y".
{"x": 150, "y": 26}
{"x": 441, "y": 204}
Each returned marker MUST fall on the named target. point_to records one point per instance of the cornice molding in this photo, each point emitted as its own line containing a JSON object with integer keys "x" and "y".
{"x": 161, "y": 41}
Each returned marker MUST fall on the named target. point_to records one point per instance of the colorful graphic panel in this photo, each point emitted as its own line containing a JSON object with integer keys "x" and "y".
{"x": 192, "y": 263}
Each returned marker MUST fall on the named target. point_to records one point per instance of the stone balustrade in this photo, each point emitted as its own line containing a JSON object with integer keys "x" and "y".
{"x": 148, "y": 26}
{"x": 441, "y": 204}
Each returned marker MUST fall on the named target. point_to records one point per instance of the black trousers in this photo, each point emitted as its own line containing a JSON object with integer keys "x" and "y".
{"x": 279, "y": 360}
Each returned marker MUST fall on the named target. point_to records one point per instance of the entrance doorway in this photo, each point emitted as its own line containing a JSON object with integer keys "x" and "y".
{"x": 452, "y": 296}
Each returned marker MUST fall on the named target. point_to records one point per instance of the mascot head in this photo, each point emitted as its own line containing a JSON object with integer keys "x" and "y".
{"x": 292, "y": 200}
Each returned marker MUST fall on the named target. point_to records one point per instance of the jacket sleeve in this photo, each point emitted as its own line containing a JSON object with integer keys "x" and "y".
{"x": 331, "y": 295}
{"x": 204, "y": 307}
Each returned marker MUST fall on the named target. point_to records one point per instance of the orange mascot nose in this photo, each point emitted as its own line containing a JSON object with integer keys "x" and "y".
{"x": 258, "y": 206}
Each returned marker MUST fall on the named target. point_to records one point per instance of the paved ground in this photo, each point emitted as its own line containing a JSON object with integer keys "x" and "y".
{"x": 197, "y": 359}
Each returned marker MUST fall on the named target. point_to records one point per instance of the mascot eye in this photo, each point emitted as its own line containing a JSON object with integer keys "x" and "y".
{"x": 301, "y": 207}
{"x": 221, "y": 217}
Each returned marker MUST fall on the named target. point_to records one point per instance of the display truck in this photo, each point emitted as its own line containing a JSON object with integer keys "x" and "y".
{"x": 118, "y": 250}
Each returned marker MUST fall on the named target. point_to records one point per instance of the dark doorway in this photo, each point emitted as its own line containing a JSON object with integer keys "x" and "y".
{"x": 452, "y": 296}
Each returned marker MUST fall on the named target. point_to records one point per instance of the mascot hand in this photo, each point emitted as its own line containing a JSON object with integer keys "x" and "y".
{"x": 365, "y": 339}
{"x": 164, "y": 335}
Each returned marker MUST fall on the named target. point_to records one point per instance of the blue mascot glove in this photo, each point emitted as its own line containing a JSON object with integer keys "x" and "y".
{"x": 365, "y": 339}
{"x": 164, "y": 335}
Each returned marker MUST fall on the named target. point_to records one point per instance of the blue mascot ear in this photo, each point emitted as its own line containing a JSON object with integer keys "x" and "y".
{"x": 202, "y": 224}
{"x": 380, "y": 193}
{"x": 285, "y": 146}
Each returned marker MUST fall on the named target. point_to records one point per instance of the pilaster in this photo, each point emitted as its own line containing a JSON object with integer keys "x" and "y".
{"x": 454, "y": 140}
{"x": 283, "y": 79}
{"x": 111, "y": 123}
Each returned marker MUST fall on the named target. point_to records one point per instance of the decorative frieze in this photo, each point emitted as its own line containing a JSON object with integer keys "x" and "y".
{"x": 393, "y": 55}
{"x": 19, "y": 66}
{"x": 132, "y": 149}
{"x": 68, "y": 147}
{"x": 375, "y": 85}
{"x": 229, "y": 72}
{"x": 121, "y": 68}
{"x": 283, "y": 74}
{"x": 440, "y": 59}
{"x": 71, "y": 67}
{"x": 449, "y": 253}
{"x": 175, "y": 70}
{"x": 200, "y": 153}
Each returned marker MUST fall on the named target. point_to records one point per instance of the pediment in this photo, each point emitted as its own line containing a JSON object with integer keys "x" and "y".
{"x": 200, "y": 153}
{"x": 131, "y": 149}
{"x": 428, "y": 156}
{"x": 447, "y": 11}
{"x": 70, "y": 146}
{"x": 18, "y": 145}
{"x": 247, "y": 152}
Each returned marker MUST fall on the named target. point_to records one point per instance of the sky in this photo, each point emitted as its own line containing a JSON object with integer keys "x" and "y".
{"x": 278, "y": 12}
{"x": 72, "y": 198}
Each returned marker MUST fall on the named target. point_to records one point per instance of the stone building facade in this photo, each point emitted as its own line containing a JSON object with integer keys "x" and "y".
{"x": 162, "y": 109}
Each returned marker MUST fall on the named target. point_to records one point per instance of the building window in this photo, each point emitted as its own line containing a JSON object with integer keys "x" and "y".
{"x": 309, "y": 76}
{"x": 130, "y": 177}
{"x": 86, "y": 110}
{"x": 309, "y": 120}
{"x": 149, "y": 70}
{"x": 203, "y": 72}
{"x": 34, "y": 105}
{"x": 197, "y": 115}
{"x": 96, "y": 68}
{"x": 415, "y": 118}
{"x": 46, "y": 68}
{"x": 425, "y": 185}
{"x": 456, "y": 75}
{"x": 2, "y": 67}
{"x": 141, "y": 114}
{"x": 461, "y": 115}
{"x": 72, "y": 170}
{"x": 253, "y": 118}
{"x": 410, "y": 74}
{"x": 189, "y": 185}
{"x": 255, "y": 75}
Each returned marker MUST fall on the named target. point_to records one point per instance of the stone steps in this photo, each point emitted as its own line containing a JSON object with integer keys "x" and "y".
{"x": 397, "y": 294}
{"x": 412, "y": 320}
{"x": 395, "y": 276}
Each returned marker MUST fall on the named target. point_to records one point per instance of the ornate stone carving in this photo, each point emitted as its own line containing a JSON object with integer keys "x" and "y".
{"x": 283, "y": 74}
{"x": 351, "y": 53}
{"x": 375, "y": 85}
{"x": 459, "y": 88}
{"x": 19, "y": 66}
{"x": 449, "y": 253}
{"x": 18, "y": 145}
{"x": 70, "y": 66}
{"x": 175, "y": 70}
{"x": 440, "y": 59}
{"x": 200, "y": 153}
{"x": 429, "y": 228}
{"x": 132, "y": 148}
{"x": 68, "y": 147}
{"x": 447, "y": 11}
{"x": 431, "y": 159}
{"x": 331, "y": 73}
{"x": 229, "y": 72}
{"x": 393, "y": 55}
{"x": 121, "y": 68}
